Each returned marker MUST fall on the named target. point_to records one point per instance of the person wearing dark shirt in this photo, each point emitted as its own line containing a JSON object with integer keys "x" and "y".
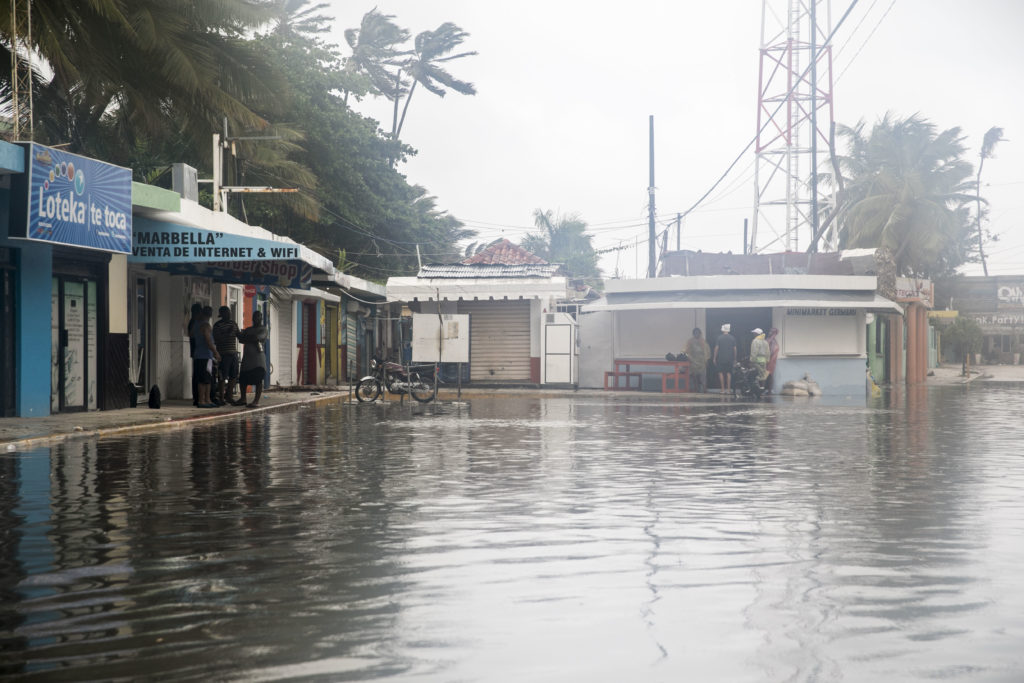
{"x": 724, "y": 358}
{"x": 254, "y": 362}
{"x": 197, "y": 312}
{"x": 225, "y": 334}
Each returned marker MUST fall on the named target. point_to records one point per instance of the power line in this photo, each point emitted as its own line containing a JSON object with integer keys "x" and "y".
{"x": 857, "y": 53}
{"x": 777, "y": 109}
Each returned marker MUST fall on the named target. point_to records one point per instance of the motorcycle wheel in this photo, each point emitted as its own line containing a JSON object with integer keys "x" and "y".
{"x": 367, "y": 390}
{"x": 421, "y": 390}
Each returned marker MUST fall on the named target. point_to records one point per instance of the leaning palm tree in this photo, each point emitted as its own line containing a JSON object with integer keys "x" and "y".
{"x": 375, "y": 48}
{"x": 993, "y": 136}
{"x": 905, "y": 186}
{"x": 299, "y": 18}
{"x": 432, "y": 49}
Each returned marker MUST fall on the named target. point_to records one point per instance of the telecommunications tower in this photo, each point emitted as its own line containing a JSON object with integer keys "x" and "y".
{"x": 21, "y": 70}
{"x": 794, "y": 122}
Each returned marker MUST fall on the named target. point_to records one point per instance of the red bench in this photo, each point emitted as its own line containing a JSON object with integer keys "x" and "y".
{"x": 673, "y": 381}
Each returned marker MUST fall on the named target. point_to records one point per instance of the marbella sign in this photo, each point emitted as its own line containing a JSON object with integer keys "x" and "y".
{"x": 157, "y": 242}
{"x": 73, "y": 200}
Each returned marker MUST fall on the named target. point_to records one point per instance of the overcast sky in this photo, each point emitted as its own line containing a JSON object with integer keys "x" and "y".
{"x": 565, "y": 89}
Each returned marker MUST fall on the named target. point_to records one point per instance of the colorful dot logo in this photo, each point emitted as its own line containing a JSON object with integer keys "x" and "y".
{"x": 79, "y": 182}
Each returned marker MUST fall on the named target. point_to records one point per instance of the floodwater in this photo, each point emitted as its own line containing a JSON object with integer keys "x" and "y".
{"x": 529, "y": 539}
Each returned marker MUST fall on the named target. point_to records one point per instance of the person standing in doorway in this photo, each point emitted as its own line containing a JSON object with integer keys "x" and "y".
{"x": 724, "y": 358}
{"x": 759, "y": 353}
{"x": 254, "y": 362}
{"x": 206, "y": 354}
{"x": 197, "y": 312}
{"x": 773, "y": 358}
{"x": 698, "y": 351}
{"x": 225, "y": 336}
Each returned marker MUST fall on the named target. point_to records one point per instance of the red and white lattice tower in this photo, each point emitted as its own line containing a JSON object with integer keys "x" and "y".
{"x": 794, "y": 121}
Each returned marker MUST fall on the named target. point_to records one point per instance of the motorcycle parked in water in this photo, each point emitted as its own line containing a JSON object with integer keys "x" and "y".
{"x": 745, "y": 380}
{"x": 391, "y": 377}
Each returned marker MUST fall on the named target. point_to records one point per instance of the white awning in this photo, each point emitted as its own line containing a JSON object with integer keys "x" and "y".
{"x": 470, "y": 289}
{"x": 869, "y": 301}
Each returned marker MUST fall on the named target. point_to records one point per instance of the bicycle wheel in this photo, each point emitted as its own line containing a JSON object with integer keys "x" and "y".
{"x": 421, "y": 389}
{"x": 367, "y": 390}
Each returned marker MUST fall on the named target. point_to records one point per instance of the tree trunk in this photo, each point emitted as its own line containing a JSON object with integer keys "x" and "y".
{"x": 408, "y": 97}
{"x": 977, "y": 190}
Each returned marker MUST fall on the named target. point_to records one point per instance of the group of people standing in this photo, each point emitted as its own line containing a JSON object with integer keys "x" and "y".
{"x": 764, "y": 353}
{"x": 215, "y": 358}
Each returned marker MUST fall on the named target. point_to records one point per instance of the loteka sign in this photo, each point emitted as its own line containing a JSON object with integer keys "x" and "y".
{"x": 72, "y": 200}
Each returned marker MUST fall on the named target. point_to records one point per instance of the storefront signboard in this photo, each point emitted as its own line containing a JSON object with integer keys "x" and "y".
{"x": 158, "y": 242}
{"x": 293, "y": 274}
{"x": 69, "y": 199}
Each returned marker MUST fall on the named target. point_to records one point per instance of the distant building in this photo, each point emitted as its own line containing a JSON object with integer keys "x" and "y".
{"x": 996, "y": 303}
{"x": 513, "y": 299}
{"x": 837, "y": 315}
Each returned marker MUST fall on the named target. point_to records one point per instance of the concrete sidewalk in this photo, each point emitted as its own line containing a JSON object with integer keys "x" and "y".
{"x": 18, "y": 433}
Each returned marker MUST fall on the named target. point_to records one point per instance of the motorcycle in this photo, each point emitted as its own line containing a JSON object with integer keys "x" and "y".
{"x": 745, "y": 381}
{"x": 392, "y": 377}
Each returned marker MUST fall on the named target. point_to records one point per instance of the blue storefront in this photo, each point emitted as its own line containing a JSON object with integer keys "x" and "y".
{"x": 67, "y": 228}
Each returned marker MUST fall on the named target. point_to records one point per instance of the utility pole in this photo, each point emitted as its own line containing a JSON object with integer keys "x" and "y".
{"x": 651, "y": 264}
{"x": 679, "y": 231}
{"x": 220, "y": 190}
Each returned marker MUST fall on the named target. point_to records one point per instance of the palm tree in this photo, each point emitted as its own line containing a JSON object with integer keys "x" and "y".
{"x": 148, "y": 67}
{"x": 563, "y": 239}
{"x": 993, "y": 136}
{"x": 432, "y": 49}
{"x": 374, "y": 50}
{"x": 300, "y": 18}
{"x": 906, "y": 186}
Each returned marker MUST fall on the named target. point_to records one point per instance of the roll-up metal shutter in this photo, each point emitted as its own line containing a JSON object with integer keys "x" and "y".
{"x": 499, "y": 340}
{"x": 285, "y": 344}
{"x": 352, "y": 345}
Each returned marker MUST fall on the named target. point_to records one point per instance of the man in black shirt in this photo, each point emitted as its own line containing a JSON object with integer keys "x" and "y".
{"x": 225, "y": 336}
{"x": 724, "y": 358}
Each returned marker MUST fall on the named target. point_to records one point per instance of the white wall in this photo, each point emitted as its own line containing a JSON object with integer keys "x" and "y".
{"x": 595, "y": 342}
{"x": 825, "y": 332}
{"x": 652, "y": 334}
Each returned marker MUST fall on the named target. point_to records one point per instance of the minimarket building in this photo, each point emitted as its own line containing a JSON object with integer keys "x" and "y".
{"x": 98, "y": 273}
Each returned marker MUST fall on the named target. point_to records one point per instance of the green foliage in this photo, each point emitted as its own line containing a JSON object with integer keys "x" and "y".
{"x": 564, "y": 240}
{"x": 907, "y": 188}
{"x": 964, "y": 336}
{"x": 366, "y": 207}
{"x": 144, "y": 83}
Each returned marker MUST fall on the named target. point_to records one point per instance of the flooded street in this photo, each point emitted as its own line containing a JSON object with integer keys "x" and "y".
{"x": 529, "y": 539}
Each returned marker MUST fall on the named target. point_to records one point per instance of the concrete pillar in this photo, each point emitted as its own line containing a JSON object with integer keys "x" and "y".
{"x": 34, "y": 286}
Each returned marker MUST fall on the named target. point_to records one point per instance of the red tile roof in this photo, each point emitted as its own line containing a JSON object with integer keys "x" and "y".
{"x": 504, "y": 253}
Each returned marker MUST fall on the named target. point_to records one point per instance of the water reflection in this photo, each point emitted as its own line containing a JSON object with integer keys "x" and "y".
{"x": 527, "y": 539}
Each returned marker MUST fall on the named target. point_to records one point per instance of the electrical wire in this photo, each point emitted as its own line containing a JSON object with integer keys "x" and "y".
{"x": 857, "y": 53}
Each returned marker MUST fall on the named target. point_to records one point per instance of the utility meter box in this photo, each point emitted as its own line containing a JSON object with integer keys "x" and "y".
{"x": 440, "y": 338}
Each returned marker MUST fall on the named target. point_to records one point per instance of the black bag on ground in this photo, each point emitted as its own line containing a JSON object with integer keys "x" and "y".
{"x": 154, "y": 397}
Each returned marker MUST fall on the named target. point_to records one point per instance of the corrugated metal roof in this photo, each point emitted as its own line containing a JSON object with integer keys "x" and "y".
{"x": 488, "y": 270}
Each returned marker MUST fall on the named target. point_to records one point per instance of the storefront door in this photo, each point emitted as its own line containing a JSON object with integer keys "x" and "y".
{"x": 309, "y": 347}
{"x": 139, "y": 330}
{"x": 73, "y": 345}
